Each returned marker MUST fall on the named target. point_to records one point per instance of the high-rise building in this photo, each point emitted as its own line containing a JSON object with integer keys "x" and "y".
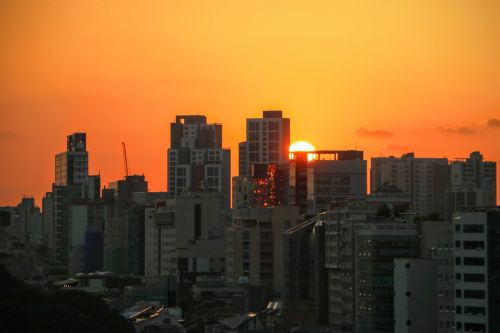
{"x": 72, "y": 166}
{"x": 320, "y": 177}
{"x": 66, "y": 213}
{"x": 424, "y": 179}
{"x": 196, "y": 160}
{"x": 268, "y": 139}
{"x": 263, "y": 162}
{"x": 477, "y": 270}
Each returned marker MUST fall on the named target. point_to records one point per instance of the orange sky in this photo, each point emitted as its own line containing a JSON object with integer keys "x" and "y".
{"x": 384, "y": 76}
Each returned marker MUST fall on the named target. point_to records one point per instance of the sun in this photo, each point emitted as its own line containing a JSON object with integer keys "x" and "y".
{"x": 301, "y": 146}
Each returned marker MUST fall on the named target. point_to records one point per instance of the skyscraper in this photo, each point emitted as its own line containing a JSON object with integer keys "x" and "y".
{"x": 196, "y": 160}
{"x": 263, "y": 162}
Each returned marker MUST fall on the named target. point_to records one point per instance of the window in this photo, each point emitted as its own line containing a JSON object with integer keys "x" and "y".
{"x": 474, "y": 310}
{"x": 473, "y": 245}
{"x": 474, "y": 294}
{"x": 473, "y": 229}
{"x": 470, "y": 277}
{"x": 473, "y": 261}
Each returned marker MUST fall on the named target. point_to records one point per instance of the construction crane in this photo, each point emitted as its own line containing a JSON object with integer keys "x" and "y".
{"x": 125, "y": 159}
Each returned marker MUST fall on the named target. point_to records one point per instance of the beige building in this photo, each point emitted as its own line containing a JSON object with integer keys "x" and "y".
{"x": 255, "y": 245}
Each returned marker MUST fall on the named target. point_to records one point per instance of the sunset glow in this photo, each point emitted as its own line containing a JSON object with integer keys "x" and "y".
{"x": 383, "y": 77}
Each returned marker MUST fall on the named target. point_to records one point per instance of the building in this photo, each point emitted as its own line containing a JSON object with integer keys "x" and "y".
{"x": 477, "y": 254}
{"x": 305, "y": 301}
{"x": 196, "y": 160}
{"x": 268, "y": 140}
{"x": 255, "y": 245}
{"x": 426, "y": 180}
{"x": 186, "y": 236}
{"x": 318, "y": 178}
{"x": 415, "y": 295}
{"x": 362, "y": 239}
{"x": 72, "y": 166}
{"x": 436, "y": 243}
{"x": 473, "y": 183}
{"x": 263, "y": 162}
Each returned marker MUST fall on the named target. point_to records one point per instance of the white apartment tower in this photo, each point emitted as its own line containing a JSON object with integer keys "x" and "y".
{"x": 196, "y": 160}
{"x": 268, "y": 141}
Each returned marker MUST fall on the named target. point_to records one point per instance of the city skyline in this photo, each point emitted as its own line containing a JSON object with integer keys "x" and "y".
{"x": 384, "y": 78}
{"x": 107, "y": 180}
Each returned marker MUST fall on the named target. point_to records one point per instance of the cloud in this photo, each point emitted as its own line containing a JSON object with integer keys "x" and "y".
{"x": 373, "y": 133}
{"x": 5, "y": 135}
{"x": 493, "y": 122}
{"x": 459, "y": 130}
